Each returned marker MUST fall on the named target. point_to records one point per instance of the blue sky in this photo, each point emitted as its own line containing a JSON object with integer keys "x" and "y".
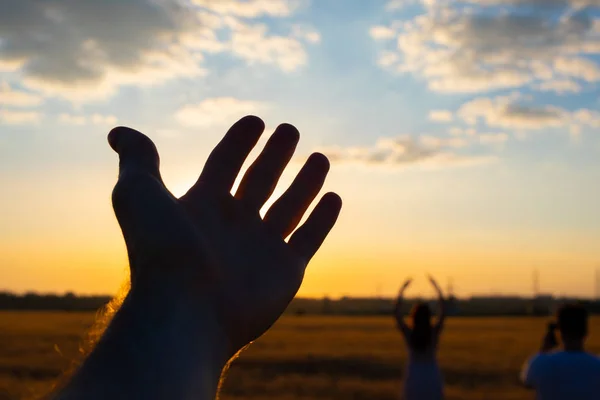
{"x": 463, "y": 134}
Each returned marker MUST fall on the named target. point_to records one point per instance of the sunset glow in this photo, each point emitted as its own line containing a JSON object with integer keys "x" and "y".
{"x": 462, "y": 144}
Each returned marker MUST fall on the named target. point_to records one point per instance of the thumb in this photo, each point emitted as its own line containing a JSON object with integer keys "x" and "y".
{"x": 142, "y": 204}
{"x": 137, "y": 153}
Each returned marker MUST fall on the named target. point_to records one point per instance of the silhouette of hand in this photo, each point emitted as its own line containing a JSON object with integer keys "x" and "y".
{"x": 405, "y": 285}
{"x": 398, "y": 306}
{"x": 209, "y": 253}
{"x": 434, "y": 283}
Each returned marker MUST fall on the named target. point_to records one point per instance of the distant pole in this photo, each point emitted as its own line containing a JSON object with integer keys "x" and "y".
{"x": 536, "y": 283}
{"x": 450, "y": 288}
{"x": 597, "y": 285}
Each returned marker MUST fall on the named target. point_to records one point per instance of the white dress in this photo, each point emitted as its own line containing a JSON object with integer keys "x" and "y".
{"x": 423, "y": 379}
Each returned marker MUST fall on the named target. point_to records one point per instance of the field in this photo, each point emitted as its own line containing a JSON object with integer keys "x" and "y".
{"x": 304, "y": 357}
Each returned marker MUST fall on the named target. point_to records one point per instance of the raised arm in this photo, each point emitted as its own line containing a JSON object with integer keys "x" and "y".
{"x": 208, "y": 274}
{"x": 441, "y": 305}
{"x": 398, "y": 314}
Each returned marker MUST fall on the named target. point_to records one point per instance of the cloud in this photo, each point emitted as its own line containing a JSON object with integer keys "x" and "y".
{"x": 507, "y": 112}
{"x": 405, "y": 151}
{"x": 443, "y": 142}
{"x": 471, "y": 136}
{"x": 387, "y": 58}
{"x": 514, "y": 112}
{"x": 577, "y": 67}
{"x": 216, "y": 111}
{"x": 471, "y": 46}
{"x": 84, "y": 50}
{"x": 249, "y": 8}
{"x": 561, "y": 86}
{"x": 12, "y": 117}
{"x": 96, "y": 119}
{"x": 254, "y": 45}
{"x": 541, "y": 4}
{"x": 17, "y": 98}
{"x": 398, "y": 4}
{"x": 307, "y": 33}
{"x": 441, "y": 116}
{"x": 382, "y": 32}
{"x": 69, "y": 48}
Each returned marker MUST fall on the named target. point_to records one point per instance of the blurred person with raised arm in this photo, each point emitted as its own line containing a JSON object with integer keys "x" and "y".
{"x": 423, "y": 378}
{"x": 568, "y": 373}
{"x": 208, "y": 274}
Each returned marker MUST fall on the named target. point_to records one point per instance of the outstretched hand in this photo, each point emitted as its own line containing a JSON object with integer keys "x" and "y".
{"x": 399, "y": 316}
{"x": 210, "y": 254}
{"x": 434, "y": 283}
{"x": 405, "y": 285}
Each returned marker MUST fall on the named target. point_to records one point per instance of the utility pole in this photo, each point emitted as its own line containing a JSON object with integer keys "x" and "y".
{"x": 450, "y": 288}
{"x": 536, "y": 283}
{"x": 597, "y": 285}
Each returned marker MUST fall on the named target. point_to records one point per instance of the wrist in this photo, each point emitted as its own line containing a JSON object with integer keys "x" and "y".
{"x": 164, "y": 345}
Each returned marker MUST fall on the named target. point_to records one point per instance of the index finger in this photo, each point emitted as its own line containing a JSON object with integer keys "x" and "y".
{"x": 225, "y": 161}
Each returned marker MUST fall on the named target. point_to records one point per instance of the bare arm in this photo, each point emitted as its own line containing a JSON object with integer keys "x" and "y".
{"x": 405, "y": 329}
{"x": 550, "y": 341}
{"x": 441, "y": 305}
{"x": 208, "y": 274}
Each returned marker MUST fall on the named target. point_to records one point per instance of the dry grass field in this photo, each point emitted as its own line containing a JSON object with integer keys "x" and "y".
{"x": 305, "y": 357}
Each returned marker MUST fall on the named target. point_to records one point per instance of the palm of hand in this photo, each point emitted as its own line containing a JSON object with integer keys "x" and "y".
{"x": 255, "y": 273}
{"x": 214, "y": 248}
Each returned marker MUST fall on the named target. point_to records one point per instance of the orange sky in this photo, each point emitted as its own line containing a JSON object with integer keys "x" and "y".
{"x": 462, "y": 144}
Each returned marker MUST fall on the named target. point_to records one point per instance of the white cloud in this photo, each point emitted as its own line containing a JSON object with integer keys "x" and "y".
{"x": 85, "y": 50}
{"x": 441, "y": 142}
{"x": 76, "y": 55}
{"x": 585, "y": 117}
{"x": 542, "y": 4}
{"x": 249, "y": 8}
{"x": 515, "y": 112}
{"x": 96, "y": 119}
{"x": 465, "y": 46}
{"x": 13, "y": 117}
{"x": 398, "y": 4}
{"x": 17, "y": 98}
{"x": 253, "y": 44}
{"x": 577, "y": 67}
{"x": 508, "y": 112}
{"x": 405, "y": 151}
{"x": 441, "y": 116}
{"x": 307, "y": 33}
{"x": 382, "y": 32}
{"x": 387, "y": 58}
{"x": 216, "y": 111}
{"x": 561, "y": 86}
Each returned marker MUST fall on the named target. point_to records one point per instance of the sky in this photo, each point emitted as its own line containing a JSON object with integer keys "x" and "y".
{"x": 463, "y": 135}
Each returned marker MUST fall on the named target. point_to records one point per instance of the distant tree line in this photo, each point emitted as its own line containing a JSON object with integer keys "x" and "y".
{"x": 51, "y": 302}
{"x": 474, "y": 306}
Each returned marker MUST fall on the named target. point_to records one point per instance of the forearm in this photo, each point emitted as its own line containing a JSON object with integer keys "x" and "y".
{"x": 545, "y": 348}
{"x": 151, "y": 351}
{"x": 548, "y": 343}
